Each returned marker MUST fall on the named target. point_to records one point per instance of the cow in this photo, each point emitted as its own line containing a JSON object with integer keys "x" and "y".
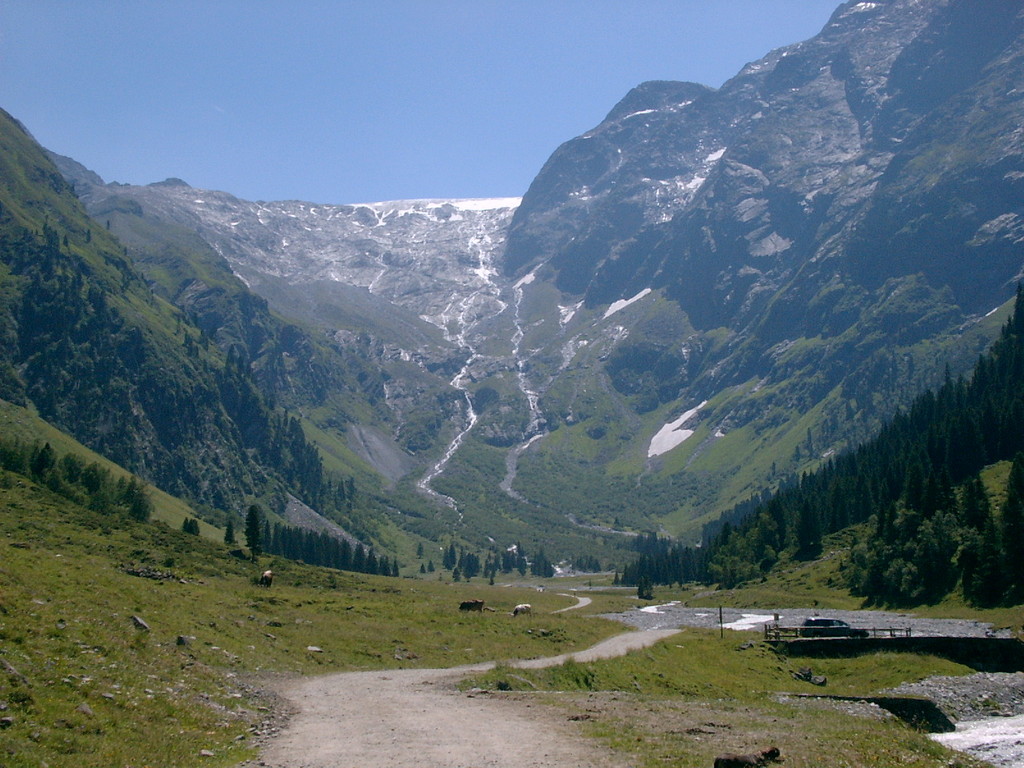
{"x": 521, "y": 608}
{"x": 267, "y": 578}
{"x": 754, "y": 760}
{"x": 471, "y": 605}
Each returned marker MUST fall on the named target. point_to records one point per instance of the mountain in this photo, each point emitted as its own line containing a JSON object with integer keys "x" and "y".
{"x": 91, "y": 348}
{"x": 709, "y": 292}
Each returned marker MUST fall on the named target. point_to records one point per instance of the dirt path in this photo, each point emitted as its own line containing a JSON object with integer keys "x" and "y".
{"x": 402, "y": 718}
{"x": 580, "y": 603}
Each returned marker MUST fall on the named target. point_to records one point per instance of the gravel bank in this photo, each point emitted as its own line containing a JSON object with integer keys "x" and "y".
{"x": 972, "y": 697}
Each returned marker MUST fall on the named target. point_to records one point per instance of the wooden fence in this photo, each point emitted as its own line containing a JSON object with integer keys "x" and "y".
{"x": 774, "y": 631}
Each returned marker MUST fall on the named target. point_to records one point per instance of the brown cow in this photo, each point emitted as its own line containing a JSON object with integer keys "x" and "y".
{"x": 471, "y": 605}
{"x": 754, "y": 760}
{"x": 267, "y": 578}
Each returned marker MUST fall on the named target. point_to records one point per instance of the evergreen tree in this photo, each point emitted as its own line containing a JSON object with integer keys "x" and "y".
{"x": 1012, "y": 524}
{"x": 924, "y": 537}
{"x": 229, "y": 532}
{"x": 981, "y": 565}
{"x": 451, "y": 558}
{"x": 254, "y": 531}
{"x": 644, "y": 588}
{"x": 975, "y": 508}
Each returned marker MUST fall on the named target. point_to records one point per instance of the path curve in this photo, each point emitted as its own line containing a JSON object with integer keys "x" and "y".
{"x": 401, "y": 718}
{"x": 580, "y": 603}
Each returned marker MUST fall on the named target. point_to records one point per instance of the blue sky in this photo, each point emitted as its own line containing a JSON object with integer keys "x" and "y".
{"x": 350, "y": 101}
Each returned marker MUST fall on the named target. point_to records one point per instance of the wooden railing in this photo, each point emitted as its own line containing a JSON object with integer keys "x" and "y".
{"x": 776, "y": 632}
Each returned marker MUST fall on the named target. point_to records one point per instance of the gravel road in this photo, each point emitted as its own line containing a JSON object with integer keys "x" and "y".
{"x": 401, "y": 718}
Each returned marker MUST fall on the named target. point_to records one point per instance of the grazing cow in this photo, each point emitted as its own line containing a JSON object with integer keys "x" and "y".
{"x": 471, "y": 605}
{"x": 521, "y": 608}
{"x": 267, "y": 578}
{"x": 748, "y": 761}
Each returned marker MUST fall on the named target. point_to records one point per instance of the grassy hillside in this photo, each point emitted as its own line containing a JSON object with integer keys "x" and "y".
{"x": 19, "y": 423}
{"x": 84, "y": 685}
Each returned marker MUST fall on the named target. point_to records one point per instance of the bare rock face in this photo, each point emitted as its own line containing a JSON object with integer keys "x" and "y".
{"x": 826, "y": 164}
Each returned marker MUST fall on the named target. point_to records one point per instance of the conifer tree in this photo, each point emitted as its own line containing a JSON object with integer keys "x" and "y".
{"x": 451, "y": 558}
{"x": 1012, "y": 524}
{"x": 975, "y": 507}
{"x": 645, "y": 588}
{"x": 981, "y": 564}
{"x": 253, "y": 531}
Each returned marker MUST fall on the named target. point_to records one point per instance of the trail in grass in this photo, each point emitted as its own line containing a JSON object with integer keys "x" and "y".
{"x": 401, "y": 718}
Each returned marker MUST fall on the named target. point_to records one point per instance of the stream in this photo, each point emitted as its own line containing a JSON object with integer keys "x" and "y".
{"x": 458, "y": 322}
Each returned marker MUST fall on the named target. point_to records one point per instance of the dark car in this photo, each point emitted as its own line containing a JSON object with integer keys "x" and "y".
{"x": 817, "y": 627}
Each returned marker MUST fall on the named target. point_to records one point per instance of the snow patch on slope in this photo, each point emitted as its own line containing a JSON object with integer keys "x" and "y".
{"x": 615, "y": 306}
{"x": 673, "y": 434}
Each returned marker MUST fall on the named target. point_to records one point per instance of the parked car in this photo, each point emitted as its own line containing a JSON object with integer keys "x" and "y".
{"x": 818, "y": 627}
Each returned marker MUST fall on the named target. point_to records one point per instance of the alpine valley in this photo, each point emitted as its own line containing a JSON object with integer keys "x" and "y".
{"x": 709, "y": 293}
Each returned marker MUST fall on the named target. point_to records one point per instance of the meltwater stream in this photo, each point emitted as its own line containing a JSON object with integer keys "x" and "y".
{"x": 998, "y": 740}
{"x": 458, "y": 321}
{"x": 535, "y": 430}
{"x": 465, "y": 314}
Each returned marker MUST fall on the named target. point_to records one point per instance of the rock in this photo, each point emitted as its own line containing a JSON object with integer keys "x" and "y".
{"x": 807, "y": 675}
{"x": 145, "y": 572}
{"x": 9, "y": 668}
{"x": 314, "y": 649}
{"x": 140, "y": 623}
{"x": 85, "y": 709}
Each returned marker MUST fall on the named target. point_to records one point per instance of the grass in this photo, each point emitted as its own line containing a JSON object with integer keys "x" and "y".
{"x": 697, "y": 695}
{"x": 84, "y": 686}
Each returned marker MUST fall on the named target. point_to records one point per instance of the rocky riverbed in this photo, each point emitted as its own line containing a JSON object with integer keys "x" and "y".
{"x": 988, "y": 708}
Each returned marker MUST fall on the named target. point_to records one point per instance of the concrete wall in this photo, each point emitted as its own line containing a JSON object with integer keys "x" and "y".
{"x": 986, "y": 654}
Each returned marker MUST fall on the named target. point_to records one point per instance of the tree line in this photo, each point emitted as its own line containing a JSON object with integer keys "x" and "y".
{"x": 311, "y": 547}
{"x": 87, "y": 484}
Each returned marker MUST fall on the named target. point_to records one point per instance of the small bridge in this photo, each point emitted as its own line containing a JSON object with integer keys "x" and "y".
{"x": 777, "y": 632}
